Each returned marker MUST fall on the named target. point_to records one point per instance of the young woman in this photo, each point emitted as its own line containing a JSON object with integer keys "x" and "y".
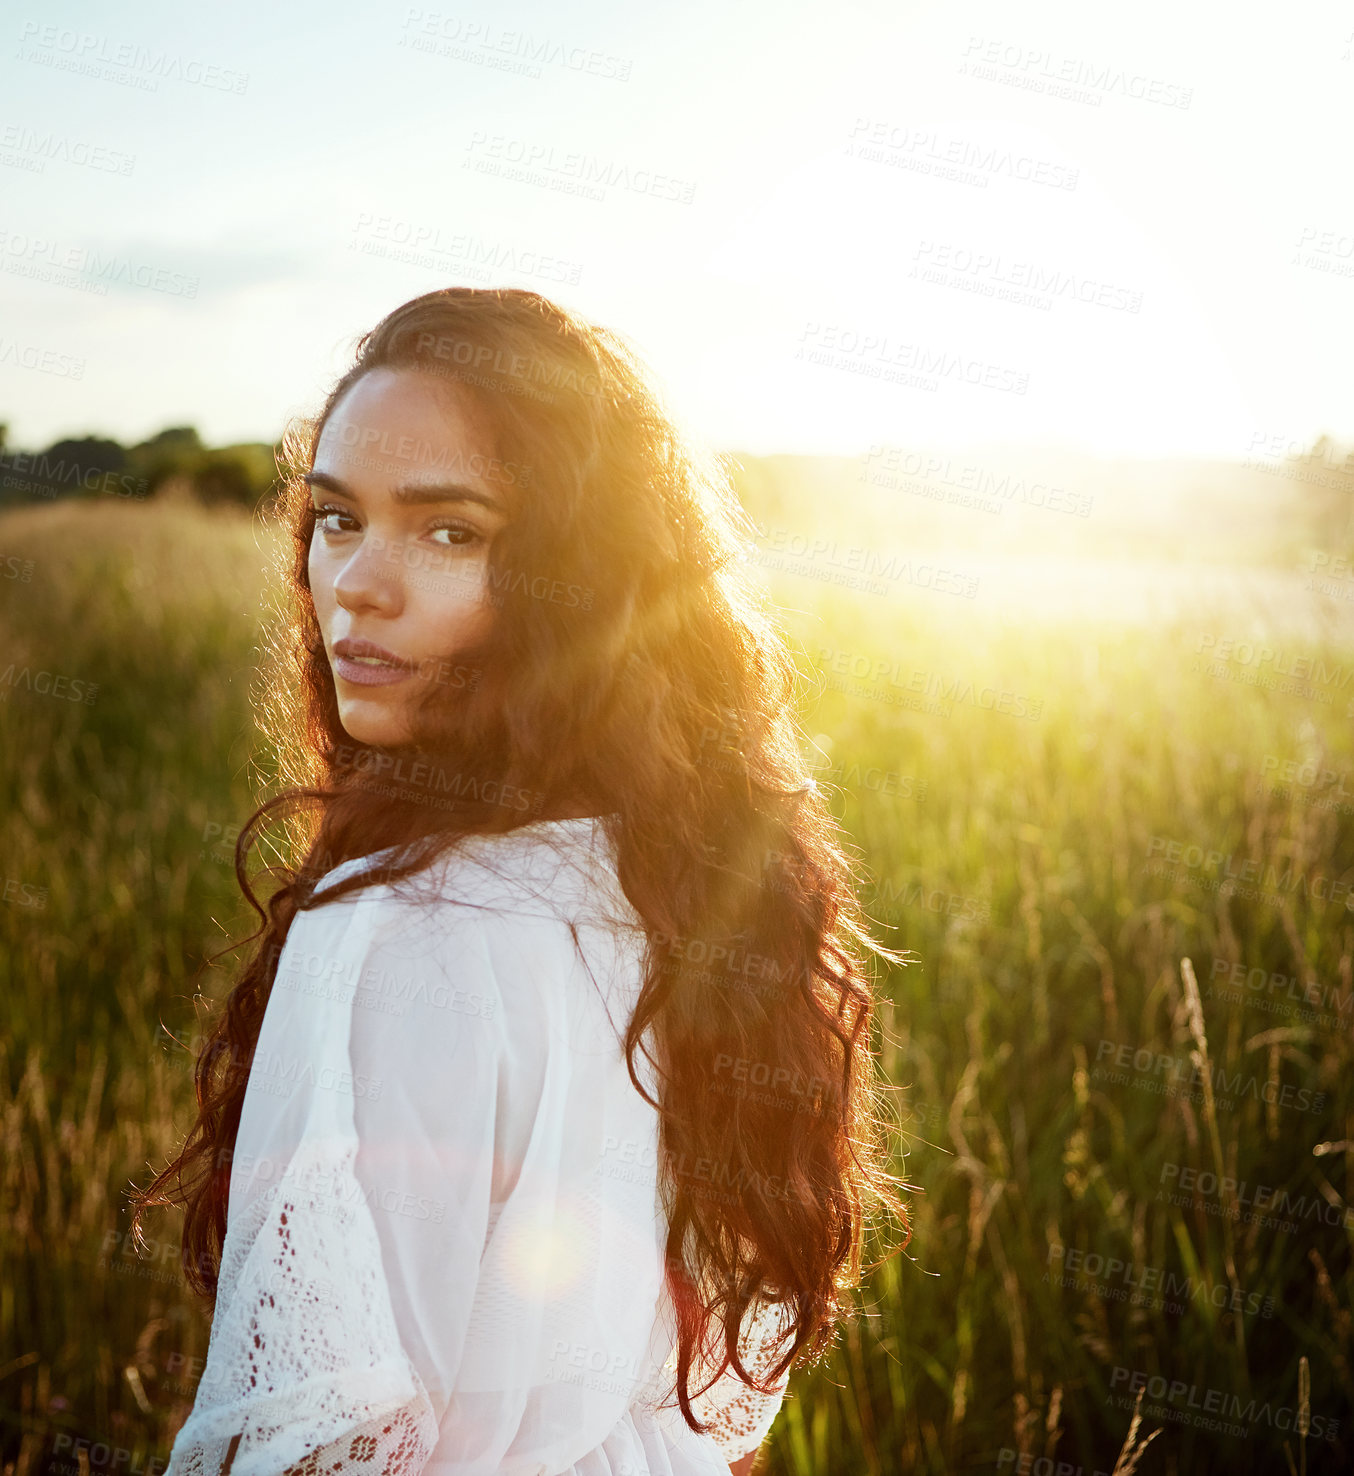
{"x": 539, "y": 1133}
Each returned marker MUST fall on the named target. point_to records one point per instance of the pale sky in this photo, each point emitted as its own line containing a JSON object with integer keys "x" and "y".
{"x": 1193, "y": 190}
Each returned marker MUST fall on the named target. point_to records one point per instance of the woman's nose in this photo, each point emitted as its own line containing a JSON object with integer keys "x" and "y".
{"x": 371, "y": 577}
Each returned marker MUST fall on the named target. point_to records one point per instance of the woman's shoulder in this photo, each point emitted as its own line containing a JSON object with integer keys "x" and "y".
{"x": 529, "y": 932}
{"x": 556, "y": 869}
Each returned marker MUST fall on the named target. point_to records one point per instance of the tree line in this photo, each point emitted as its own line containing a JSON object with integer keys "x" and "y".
{"x": 175, "y": 459}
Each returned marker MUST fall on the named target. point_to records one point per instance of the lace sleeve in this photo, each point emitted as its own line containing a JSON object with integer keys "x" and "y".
{"x": 740, "y": 1416}
{"x": 306, "y": 1368}
{"x": 305, "y": 1371}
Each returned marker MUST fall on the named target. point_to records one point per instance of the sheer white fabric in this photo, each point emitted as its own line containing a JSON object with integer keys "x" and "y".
{"x": 444, "y": 1251}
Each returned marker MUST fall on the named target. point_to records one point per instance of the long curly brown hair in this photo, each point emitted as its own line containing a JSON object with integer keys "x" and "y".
{"x": 666, "y": 698}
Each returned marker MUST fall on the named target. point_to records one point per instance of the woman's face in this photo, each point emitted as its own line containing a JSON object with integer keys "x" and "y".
{"x": 408, "y": 497}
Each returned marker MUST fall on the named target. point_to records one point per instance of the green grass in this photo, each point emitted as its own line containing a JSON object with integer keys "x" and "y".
{"x": 1008, "y": 853}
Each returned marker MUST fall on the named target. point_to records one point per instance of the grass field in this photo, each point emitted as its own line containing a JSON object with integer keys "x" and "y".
{"x": 1051, "y": 814}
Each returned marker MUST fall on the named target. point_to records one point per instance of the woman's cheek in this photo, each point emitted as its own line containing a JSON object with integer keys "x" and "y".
{"x": 465, "y": 596}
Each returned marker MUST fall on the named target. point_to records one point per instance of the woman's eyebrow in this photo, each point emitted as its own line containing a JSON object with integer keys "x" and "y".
{"x": 413, "y": 494}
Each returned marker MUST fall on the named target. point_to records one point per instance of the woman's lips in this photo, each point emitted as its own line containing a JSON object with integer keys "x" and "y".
{"x": 366, "y": 664}
{"x": 370, "y": 673}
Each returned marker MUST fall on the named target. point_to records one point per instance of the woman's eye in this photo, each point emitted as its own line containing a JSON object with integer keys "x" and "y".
{"x": 461, "y": 535}
{"x": 324, "y": 514}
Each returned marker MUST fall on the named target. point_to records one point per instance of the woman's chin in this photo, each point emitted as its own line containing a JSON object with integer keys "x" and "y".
{"x": 376, "y": 730}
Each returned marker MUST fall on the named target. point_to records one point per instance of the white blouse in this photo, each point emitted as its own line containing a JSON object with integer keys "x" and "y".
{"x": 444, "y": 1249}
